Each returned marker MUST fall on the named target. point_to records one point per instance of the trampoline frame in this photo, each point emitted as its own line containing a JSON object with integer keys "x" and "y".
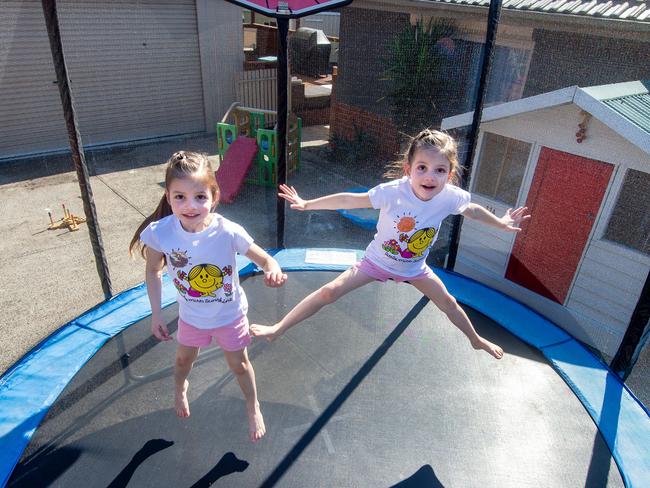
{"x": 31, "y": 386}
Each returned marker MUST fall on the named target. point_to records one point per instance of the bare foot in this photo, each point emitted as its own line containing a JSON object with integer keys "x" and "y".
{"x": 256, "y": 427}
{"x": 182, "y": 405}
{"x": 270, "y": 332}
{"x": 489, "y": 347}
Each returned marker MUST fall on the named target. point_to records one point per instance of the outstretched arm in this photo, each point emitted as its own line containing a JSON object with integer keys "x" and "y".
{"x": 509, "y": 222}
{"x": 153, "y": 278}
{"x": 273, "y": 275}
{"x": 336, "y": 201}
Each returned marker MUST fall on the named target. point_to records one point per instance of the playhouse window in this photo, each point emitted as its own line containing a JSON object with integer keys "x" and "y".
{"x": 501, "y": 168}
{"x": 630, "y": 221}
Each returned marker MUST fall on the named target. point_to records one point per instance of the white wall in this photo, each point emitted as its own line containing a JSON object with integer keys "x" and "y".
{"x": 221, "y": 41}
{"x": 328, "y": 22}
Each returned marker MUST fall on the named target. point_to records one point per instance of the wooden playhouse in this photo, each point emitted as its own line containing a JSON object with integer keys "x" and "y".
{"x": 579, "y": 158}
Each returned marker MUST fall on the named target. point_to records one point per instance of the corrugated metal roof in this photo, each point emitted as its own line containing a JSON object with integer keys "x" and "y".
{"x": 635, "y": 108}
{"x": 633, "y": 10}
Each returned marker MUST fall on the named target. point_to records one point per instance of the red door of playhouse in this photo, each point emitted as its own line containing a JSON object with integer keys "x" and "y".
{"x": 564, "y": 199}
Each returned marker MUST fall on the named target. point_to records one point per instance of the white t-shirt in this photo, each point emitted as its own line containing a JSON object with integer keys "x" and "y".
{"x": 408, "y": 226}
{"x": 203, "y": 267}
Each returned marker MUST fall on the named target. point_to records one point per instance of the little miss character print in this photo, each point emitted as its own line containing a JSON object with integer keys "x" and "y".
{"x": 414, "y": 245}
{"x": 203, "y": 280}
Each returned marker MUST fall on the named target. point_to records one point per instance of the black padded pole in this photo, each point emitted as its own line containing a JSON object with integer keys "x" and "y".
{"x": 78, "y": 158}
{"x": 633, "y": 340}
{"x": 488, "y": 53}
{"x": 283, "y": 112}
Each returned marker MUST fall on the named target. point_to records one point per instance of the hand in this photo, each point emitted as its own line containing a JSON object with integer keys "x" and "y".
{"x": 513, "y": 218}
{"x": 290, "y": 194}
{"x": 159, "y": 329}
{"x": 274, "y": 277}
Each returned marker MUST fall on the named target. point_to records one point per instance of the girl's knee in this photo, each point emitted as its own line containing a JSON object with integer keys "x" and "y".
{"x": 239, "y": 368}
{"x": 184, "y": 361}
{"x": 447, "y": 304}
{"x": 329, "y": 293}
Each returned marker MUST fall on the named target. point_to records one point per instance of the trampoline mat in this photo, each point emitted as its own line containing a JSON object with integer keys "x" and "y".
{"x": 369, "y": 392}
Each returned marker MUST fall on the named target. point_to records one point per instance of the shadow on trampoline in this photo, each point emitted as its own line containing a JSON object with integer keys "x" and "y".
{"x": 425, "y": 476}
{"x": 33, "y": 472}
{"x": 354, "y": 421}
{"x": 150, "y": 448}
{"x": 302, "y": 444}
{"x": 228, "y": 464}
{"x": 599, "y": 464}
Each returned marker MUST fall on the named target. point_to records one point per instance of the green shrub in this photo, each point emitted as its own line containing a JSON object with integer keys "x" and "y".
{"x": 416, "y": 67}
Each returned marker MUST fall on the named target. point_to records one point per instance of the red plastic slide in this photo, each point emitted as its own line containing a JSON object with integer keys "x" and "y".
{"x": 235, "y": 166}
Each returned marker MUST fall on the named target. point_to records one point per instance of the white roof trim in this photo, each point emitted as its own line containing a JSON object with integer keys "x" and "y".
{"x": 585, "y": 98}
{"x": 508, "y": 109}
{"x": 604, "y": 92}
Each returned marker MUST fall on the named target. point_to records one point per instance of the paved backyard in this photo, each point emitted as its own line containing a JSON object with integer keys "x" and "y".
{"x": 49, "y": 276}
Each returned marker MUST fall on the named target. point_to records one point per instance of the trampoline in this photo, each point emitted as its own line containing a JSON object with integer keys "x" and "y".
{"x": 378, "y": 389}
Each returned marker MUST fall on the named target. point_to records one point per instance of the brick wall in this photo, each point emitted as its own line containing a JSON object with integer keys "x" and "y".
{"x": 365, "y": 36}
{"x": 267, "y": 41}
{"x": 559, "y": 59}
{"x": 314, "y": 116}
{"x": 357, "y": 99}
{"x": 562, "y": 59}
{"x": 345, "y": 118}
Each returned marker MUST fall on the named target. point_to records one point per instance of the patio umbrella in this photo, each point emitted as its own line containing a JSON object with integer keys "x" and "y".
{"x": 290, "y": 9}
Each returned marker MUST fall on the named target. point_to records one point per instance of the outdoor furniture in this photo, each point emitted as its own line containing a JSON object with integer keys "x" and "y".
{"x": 309, "y": 51}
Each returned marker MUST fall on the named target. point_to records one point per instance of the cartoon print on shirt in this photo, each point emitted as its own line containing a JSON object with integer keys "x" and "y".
{"x": 406, "y": 223}
{"x": 415, "y": 244}
{"x": 204, "y": 280}
{"x": 420, "y": 241}
{"x": 179, "y": 258}
{"x": 180, "y": 276}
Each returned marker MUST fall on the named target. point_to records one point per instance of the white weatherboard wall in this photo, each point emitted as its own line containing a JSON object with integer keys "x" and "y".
{"x": 610, "y": 276}
{"x": 222, "y": 56}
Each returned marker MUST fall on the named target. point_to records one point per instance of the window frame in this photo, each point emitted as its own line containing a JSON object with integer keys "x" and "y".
{"x": 476, "y": 169}
{"x": 612, "y": 210}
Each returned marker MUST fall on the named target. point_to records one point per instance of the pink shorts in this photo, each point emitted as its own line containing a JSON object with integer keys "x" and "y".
{"x": 231, "y": 337}
{"x": 380, "y": 274}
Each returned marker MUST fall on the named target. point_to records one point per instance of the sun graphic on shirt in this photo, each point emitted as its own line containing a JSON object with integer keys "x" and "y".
{"x": 406, "y": 223}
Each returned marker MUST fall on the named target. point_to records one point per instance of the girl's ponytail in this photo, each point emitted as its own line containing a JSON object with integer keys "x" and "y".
{"x": 162, "y": 210}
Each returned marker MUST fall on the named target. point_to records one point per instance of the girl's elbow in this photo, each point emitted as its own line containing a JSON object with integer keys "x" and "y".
{"x": 469, "y": 214}
{"x": 154, "y": 274}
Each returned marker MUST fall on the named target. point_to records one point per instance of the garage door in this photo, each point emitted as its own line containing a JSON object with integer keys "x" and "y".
{"x": 134, "y": 69}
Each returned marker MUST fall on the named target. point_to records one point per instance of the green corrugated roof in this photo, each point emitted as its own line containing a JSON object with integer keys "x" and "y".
{"x": 635, "y": 108}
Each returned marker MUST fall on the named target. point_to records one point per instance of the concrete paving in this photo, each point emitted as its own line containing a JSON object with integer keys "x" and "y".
{"x": 49, "y": 276}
